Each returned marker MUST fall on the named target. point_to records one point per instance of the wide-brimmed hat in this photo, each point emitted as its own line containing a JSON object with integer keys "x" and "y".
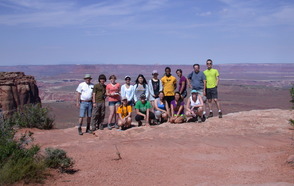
{"x": 194, "y": 91}
{"x": 87, "y": 76}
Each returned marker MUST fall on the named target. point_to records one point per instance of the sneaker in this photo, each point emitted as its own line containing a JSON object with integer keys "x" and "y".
{"x": 109, "y": 126}
{"x": 203, "y": 118}
{"x": 101, "y": 127}
{"x": 220, "y": 114}
{"x": 116, "y": 126}
{"x": 139, "y": 123}
{"x": 210, "y": 115}
{"x": 80, "y": 131}
{"x": 193, "y": 119}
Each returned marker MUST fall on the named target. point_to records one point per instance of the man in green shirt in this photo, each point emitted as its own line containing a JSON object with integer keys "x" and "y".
{"x": 143, "y": 111}
{"x": 98, "y": 113}
{"x": 212, "y": 80}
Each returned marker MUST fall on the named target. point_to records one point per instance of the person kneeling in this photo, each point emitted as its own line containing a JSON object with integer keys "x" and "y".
{"x": 177, "y": 109}
{"x": 143, "y": 111}
{"x": 125, "y": 114}
{"x": 195, "y": 107}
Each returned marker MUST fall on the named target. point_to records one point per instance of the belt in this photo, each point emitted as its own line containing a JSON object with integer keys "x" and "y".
{"x": 86, "y": 100}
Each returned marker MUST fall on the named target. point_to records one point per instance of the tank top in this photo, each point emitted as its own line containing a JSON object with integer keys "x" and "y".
{"x": 155, "y": 85}
{"x": 159, "y": 105}
{"x": 192, "y": 103}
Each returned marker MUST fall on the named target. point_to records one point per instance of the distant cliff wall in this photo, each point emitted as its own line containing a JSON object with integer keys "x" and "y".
{"x": 16, "y": 90}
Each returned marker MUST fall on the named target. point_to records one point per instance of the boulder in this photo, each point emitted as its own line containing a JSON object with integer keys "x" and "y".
{"x": 16, "y": 90}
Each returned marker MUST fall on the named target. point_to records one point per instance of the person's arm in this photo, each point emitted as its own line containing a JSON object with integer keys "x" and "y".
{"x": 180, "y": 110}
{"x": 93, "y": 99}
{"x": 135, "y": 96}
{"x": 167, "y": 109}
{"x": 160, "y": 85}
{"x": 175, "y": 84}
{"x": 78, "y": 99}
{"x": 189, "y": 81}
{"x": 171, "y": 110}
{"x": 183, "y": 86}
{"x": 122, "y": 91}
{"x": 204, "y": 89}
{"x": 201, "y": 101}
{"x": 188, "y": 105}
{"x": 217, "y": 80}
{"x": 139, "y": 113}
{"x": 151, "y": 91}
{"x": 147, "y": 115}
{"x": 147, "y": 92}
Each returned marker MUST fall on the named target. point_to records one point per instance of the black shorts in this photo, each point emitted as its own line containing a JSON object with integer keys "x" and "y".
{"x": 211, "y": 93}
{"x": 184, "y": 94}
{"x": 139, "y": 117}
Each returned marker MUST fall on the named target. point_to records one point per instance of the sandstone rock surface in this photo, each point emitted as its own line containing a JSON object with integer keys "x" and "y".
{"x": 16, "y": 90}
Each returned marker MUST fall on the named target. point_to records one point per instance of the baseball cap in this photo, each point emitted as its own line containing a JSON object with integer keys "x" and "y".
{"x": 154, "y": 72}
{"x": 127, "y": 76}
{"x": 143, "y": 96}
{"x": 124, "y": 98}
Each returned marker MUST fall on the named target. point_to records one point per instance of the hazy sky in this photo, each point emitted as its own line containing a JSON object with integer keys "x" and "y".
{"x": 146, "y": 31}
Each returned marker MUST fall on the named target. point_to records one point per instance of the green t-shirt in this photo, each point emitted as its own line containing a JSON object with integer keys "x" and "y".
{"x": 99, "y": 91}
{"x": 211, "y": 77}
{"x": 143, "y": 107}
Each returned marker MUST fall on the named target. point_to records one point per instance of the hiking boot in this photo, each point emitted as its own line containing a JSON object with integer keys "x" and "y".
{"x": 139, "y": 123}
{"x": 109, "y": 126}
{"x": 101, "y": 126}
{"x": 220, "y": 114}
{"x": 116, "y": 126}
{"x": 80, "y": 131}
{"x": 210, "y": 115}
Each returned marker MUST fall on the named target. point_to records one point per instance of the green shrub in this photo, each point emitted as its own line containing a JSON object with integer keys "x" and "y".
{"x": 21, "y": 162}
{"x": 32, "y": 116}
{"x": 57, "y": 158}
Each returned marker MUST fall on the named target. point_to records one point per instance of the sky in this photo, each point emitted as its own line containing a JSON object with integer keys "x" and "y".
{"x": 36, "y": 32}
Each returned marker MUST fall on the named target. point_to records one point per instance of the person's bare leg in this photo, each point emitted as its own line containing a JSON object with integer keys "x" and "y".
{"x": 110, "y": 117}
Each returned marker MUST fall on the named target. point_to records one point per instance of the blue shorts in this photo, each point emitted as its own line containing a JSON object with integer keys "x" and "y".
{"x": 86, "y": 109}
{"x": 113, "y": 103}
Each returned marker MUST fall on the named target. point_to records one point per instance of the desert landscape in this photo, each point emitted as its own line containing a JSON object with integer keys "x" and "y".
{"x": 249, "y": 145}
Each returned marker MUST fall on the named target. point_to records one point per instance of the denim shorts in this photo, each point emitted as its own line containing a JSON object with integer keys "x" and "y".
{"x": 86, "y": 109}
{"x": 114, "y": 103}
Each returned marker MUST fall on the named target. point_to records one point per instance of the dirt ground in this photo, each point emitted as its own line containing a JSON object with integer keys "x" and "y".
{"x": 241, "y": 148}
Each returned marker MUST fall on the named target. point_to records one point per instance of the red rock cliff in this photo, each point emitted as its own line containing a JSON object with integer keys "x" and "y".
{"x": 16, "y": 90}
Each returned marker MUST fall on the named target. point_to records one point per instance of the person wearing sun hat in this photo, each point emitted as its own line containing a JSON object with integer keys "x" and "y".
{"x": 195, "y": 107}
{"x": 84, "y": 102}
{"x": 155, "y": 86}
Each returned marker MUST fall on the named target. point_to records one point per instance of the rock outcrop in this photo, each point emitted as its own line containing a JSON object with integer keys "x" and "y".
{"x": 16, "y": 90}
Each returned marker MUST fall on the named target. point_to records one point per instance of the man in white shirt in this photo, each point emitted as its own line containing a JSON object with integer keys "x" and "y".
{"x": 84, "y": 102}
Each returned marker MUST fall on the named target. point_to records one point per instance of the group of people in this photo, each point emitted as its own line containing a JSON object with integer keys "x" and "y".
{"x": 156, "y": 101}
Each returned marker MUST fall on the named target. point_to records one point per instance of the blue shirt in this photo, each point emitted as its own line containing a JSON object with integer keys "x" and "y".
{"x": 197, "y": 80}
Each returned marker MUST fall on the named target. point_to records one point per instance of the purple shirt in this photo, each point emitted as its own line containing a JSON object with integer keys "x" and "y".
{"x": 173, "y": 102}
{"x": 182, "y": 79}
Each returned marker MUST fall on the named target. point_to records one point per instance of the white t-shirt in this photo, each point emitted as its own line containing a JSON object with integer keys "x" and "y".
{"x": 86, "y": 91}
{"x": 127, "y": 92}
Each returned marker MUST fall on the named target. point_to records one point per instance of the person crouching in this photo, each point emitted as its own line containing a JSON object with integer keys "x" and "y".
{"x": 124, "y": 112}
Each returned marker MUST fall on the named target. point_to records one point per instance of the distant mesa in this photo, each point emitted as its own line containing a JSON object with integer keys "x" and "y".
{"x": 16, "y": 90}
